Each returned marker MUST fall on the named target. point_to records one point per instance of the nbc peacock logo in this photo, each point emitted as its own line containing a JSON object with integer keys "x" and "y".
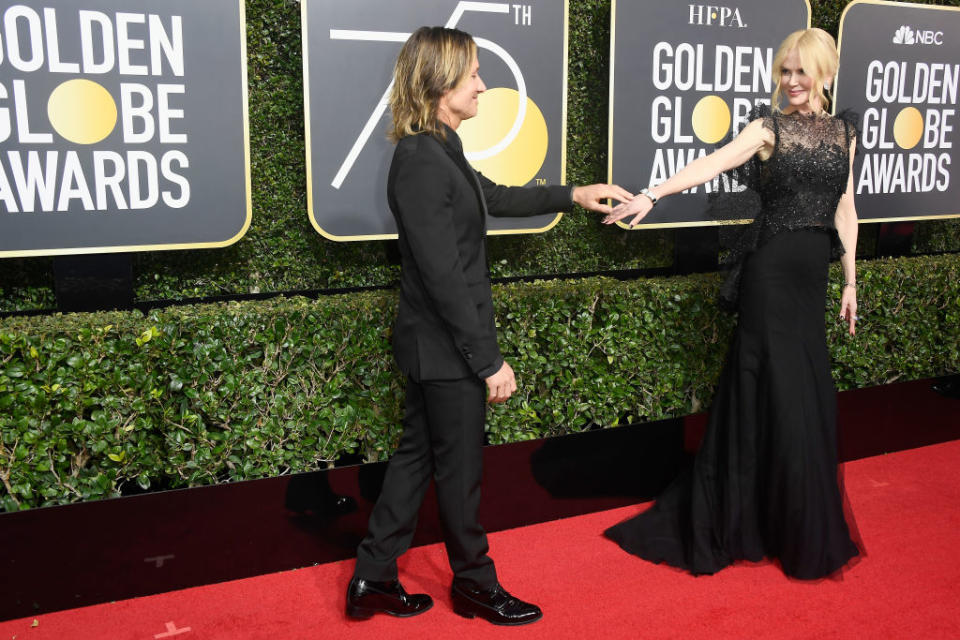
{"x": 904, "y": 35}
{"x": 909, "y": 36}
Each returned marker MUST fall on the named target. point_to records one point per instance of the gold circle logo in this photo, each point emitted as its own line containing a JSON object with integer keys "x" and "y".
{"x": 82, "y": 111}
{"x": 711, "y": 119}
{"x": 908, "y": 128}
{"x": 519, "y": 162}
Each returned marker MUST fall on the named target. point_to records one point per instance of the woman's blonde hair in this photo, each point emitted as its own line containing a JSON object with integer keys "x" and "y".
{"x": 432, "y": 61}
{"x": 818, "y": 57}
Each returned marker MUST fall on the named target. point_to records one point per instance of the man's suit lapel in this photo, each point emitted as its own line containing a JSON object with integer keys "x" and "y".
{"x": 475, "y": 181}
{"x": 455, "y": 151}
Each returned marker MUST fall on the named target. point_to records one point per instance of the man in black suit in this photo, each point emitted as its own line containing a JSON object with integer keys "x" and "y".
{"x": 445, "y": 337}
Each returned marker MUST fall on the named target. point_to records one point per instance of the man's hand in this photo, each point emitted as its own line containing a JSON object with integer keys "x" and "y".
{"x": 501, "y": 384}
{"x": 591, "y": 196}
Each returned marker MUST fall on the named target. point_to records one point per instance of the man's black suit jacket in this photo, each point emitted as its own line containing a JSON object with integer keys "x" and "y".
{"x": 445, "y": 327}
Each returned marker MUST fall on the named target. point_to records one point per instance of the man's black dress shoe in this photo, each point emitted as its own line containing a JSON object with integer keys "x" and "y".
{"x": 493, "y": 605}
{"x": 366, "y": 597}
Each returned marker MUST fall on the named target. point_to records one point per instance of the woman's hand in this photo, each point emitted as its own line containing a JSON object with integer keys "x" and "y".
{"x": 848, "y": 307}
{"x": 638, "y": 207}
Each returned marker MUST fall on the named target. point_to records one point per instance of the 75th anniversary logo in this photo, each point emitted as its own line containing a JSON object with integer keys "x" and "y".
{"x": 124, "y": 126}
{"x": 518, "y": 137}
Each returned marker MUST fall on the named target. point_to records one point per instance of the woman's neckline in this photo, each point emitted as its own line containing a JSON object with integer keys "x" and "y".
{"x": 809, "y": 114}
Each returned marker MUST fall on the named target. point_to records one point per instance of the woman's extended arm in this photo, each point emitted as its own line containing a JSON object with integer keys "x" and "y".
{"x": 846, "y": 222}
{"x": 754, "y": 138}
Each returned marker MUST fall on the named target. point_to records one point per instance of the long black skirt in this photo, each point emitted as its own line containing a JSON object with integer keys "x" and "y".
{"x": 764, "y": 482}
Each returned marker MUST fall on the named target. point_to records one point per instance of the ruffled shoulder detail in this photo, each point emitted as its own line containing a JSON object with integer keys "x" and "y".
{"x": 759, "y": 111}
{"x": 851, "y": 122}
{"x": 851, "y": 118}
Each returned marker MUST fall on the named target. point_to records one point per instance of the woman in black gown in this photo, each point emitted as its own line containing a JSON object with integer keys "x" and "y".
{"x": 764, "y": 482}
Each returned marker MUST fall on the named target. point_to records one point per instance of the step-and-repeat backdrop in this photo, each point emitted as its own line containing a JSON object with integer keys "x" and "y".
{"x": 123, "y": 126}
{"x": 683, "y": 78}
{"x": 900, "y": 71}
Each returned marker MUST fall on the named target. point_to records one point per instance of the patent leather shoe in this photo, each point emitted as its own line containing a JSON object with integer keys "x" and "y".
{"x": 366, "y": 597}
{"x": 493, "y": 605}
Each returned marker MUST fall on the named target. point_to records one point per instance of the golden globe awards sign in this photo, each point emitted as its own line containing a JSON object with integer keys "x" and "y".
{"x": 684, "y": 77}
{"x": 350, "y": 48}
{"x": 124, "y": 126}
{"x": 900, "y": 70}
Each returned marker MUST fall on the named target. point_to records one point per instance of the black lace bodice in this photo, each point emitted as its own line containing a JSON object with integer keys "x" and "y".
{"x": 801, "y": 182}
{"x": 797, "y": 187}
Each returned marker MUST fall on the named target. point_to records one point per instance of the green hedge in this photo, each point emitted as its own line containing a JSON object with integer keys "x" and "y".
{"x": 282, "y": 252}
{"x": 94, "y": 405}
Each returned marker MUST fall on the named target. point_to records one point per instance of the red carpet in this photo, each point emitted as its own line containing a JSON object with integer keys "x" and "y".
{"x": 907, "y": 507}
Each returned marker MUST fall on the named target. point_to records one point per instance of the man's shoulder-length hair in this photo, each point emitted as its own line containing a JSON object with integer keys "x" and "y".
{"x": 432, "y": 61}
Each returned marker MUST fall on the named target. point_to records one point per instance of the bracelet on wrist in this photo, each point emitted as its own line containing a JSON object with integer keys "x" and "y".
{"x": 852, "y": 285}
{"x": 649, "y": 194}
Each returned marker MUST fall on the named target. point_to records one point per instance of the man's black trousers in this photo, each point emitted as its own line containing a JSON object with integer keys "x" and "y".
{"x": 442, "y": 437}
